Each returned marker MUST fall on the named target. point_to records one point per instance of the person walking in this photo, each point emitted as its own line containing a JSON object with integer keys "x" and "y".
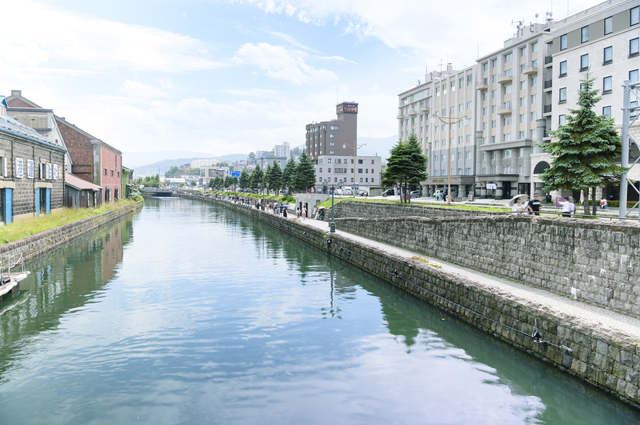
{"x": 603, "y": 203}
{"x": 284, "y": 212}
{"x": 534, "y": 205}
{"x": 568, "y": 207}
{"x": 517, "y": 208}
{"x": 304, "y": 212}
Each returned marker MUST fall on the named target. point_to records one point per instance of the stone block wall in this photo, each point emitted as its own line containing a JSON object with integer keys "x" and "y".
{"x": 355, "y": 209}
{"x": 609, "y": 360}
{"x": 591, "y": 261}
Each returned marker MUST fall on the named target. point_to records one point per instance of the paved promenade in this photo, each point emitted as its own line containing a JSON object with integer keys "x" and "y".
{"x": 608, "y": 319}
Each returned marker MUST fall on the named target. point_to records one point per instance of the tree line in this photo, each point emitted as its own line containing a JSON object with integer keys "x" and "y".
{"x": 295, "y": 176}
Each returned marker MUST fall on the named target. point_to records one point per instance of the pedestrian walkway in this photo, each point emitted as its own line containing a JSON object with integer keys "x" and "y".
{"x": 608, "y": 319}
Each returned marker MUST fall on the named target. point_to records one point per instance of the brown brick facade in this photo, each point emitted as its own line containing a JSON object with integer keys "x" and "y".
{"x": 80, "y": 150}
{"x": 17, "y": 103}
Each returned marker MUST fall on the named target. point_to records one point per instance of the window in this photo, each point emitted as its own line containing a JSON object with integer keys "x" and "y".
{"x": 328, "y": 170}
{"x": 435, "y": 172}
{"x": 468, "y": 171}
{"x": 520, "y": 152}
{"x": 111, "y": 173}
{"x": 453, "y": 86}
{"x": 360, "y": 161}
{"x": 534, "y": 47}
{"x": 635, "y": 15}
{"x": 493, "y": 94}
{"x": 606, "y": 111}
{"x": 359, "y": 170}
{"x": 507, "y": 120}
{"x": 562, "y": 120}
{"x": 436, "y": 144}
{"x": 467, "y": 155}
{"x": 506, "y": 169}
{"x": 461, "y": 108}
{"x": 507, "y": 137}
{"x": 484, "y": 170}
{"x": 523, "y": 52}
{"x": 437, "y": 91}
{"x": 534, "y": 81}
{"x": 494, "y": 78}
{"x": 563, "y": 69}
{"x": 563, "y": 42}
{"x": 484, "y": 125}
{"x": 521, "y": 118}
{"x": 508, "y": 57}
{"x": 584, "y": 34}
{"x": 330, "y": 144}
{"x": 522, "y": 101}
{"x": 562, "y": 95}
{"x": 459, "y": 155}
{"x": 468, "y": 105}
{"x": 469, "y": 79}
{"x": 493, "y": 139}
{"x": 459, "y": 140}
{"x": 507, "y": 89}
{"x": 484, "y": 111}
{"x": 607, "y": 84}
{"x": 532, "y": 134}
{"x": 634, "y": 46}
{"x": 332, "y": 152}
{"x": 484, "y": 96}
{"x": 452, "y": 110}
{"x": 633, "y": 76}
{"x": 331, "y": 136}
{"x": 372, "y": 162}
{"x": 608, "y": 25}
{"x": 485, "y": 66}
{"x": 494, "y": 63}
{"x": 105, "y": 172}
{"x": 506, "y": 154}
{"x": 461, "y": 83}
{"x": 493, "y": 124}
{"x": 534, "y": 98}
{"x": 494, "y": 108}
{"x": 468, "y": 138}
{"x": 584, "y": 62}
{"x": 607, "y": 56}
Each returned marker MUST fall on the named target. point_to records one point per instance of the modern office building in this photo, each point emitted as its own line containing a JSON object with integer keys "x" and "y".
{"x": 347, "y": 170}
{"x": 198, "y": 163}
{"x": 602, "y": 41}
{"x": 337, "y": 137}
{"x": 440, "y": 112}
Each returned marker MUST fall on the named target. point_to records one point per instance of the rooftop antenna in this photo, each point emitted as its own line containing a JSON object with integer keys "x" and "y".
{"x": 440, "y": 65}
{"x": 537, "y": 18}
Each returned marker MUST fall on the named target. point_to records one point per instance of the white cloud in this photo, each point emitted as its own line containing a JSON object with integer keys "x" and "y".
{"x": 336, "y": 58}
{"x": 428, "y": 31}
{"x": 282, "y": 64}
{"x": 61, "y": 37}
{"x": 139, "y": 90}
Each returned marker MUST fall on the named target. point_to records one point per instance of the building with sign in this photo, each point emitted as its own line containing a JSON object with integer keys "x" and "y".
{"x": 31, "y": 171}
{"x": 337, "y": 137}
{"x": 361, "y": 172}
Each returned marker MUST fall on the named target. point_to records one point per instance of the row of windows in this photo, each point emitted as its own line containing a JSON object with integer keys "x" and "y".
{"x": 443, "y": 143}
{"x": 507, "y": 137}
{"x": 608, "y": 28}
{"x": 607, "y": 57}
{"x": 344, "y": 170}
{"x": 343, "y": 161}
{"x": 505, "y": 154}
{"x": 452, "y": 85}
{"x": 106, "y": 173}
{"x": 607, "y": 85}
{"x": 505, "y": 170}
{"x": 443, "y": 157}
{"x": 335, "y": 180}
{"x": 466, "y": 172}
{"x": 508, "y": 57}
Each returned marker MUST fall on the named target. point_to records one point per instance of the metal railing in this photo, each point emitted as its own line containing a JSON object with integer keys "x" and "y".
{"x": 507, "y": 73}
{"x": 12, "y": 261}
{"x": 506, "y": 105}
{"x": 548, "y": 84}
{"x": 547, "y": 108}
{"x": 548, "y": 59}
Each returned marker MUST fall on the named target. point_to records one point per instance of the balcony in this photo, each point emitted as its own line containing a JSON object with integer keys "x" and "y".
{"x": 530, "y": 68}
{"x": 548, "y": 84}
{"x": 548, "y": 59}
{"x": 401, "y": 116}
{"x": 413, "y": 112}
{"x": 505, "y": 77}
{"x": 483, "y": 84}
{"x": 424, "y": 108}
{"x": 547, "y": 109}
{"x": 505, "y": 108}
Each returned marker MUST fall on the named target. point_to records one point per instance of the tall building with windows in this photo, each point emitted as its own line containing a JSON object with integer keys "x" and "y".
{"x": 510, "y": 112}
{"x": 604, "y": 42}
{"x": 449, "y": 95}
{"x": 283, "y": 150}
{"x": 335, "y": 137}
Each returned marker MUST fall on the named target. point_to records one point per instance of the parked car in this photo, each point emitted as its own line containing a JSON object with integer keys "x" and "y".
{"x": 338, "y": 192}
{"x": 416, "y": 194}
{"x": 388, "y": 192}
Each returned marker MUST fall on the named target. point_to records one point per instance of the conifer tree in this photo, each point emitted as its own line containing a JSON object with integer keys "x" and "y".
{"x": 256, "y": 177}
{"x": 585, "y": 149}
{"x": 305, "y": 176}
{"x": 398, "y": 166}
{"x": 288, "y": 175}
{"x": 266, "y": 179}
{"x": 275, "y": 180}
{"x": 418, "y": 162}
{"x": 244, "y": 179}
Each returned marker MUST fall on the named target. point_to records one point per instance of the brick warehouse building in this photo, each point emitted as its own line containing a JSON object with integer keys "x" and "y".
{"x": 93, "y": 160}
{"x": 31, "y": 171}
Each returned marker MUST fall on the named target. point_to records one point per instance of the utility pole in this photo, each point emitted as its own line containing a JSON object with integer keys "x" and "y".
{"x": 450, "y": 121}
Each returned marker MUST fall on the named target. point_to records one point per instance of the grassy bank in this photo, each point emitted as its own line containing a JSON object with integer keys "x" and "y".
{"x": 25, "y": 228}
{"x": 252, "y": 195}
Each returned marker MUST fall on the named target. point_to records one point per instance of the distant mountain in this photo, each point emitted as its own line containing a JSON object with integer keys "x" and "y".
{"x": 137, "y": 159}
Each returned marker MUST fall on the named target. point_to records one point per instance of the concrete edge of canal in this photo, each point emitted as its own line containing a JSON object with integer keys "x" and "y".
{"x": 606, "y": 360}
{"x": 49, "y": 240}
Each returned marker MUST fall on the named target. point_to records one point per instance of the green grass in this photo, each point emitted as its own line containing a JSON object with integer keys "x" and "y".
{"x": 327, "y": 204}
{"x": 25, "y": 228}
{"x": 252, "y": 195}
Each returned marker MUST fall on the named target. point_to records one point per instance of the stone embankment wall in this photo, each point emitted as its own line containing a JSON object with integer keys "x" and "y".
{"x": 609, "y": 360}
{"x": 355, "y": 209}
{"x": 49, "y": 240}
{"x": 592, "y": 261}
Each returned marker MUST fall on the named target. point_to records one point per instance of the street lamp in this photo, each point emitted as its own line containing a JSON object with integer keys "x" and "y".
{"x": 332, "y": 225}
{"x": 450, "y": 121}
{"x": 355, "y": 147}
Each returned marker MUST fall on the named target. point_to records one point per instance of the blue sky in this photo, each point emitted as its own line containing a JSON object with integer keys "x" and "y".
{"x": 234, "y": 76}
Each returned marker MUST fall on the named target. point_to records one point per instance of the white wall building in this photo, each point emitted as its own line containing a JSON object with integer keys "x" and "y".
{"x": 283, "y": 150}
{"x": 343, "y": 171}
{"x": 198, "y": 163}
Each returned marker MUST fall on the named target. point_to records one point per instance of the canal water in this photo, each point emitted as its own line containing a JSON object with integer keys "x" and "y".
{"x": 189, "y": 313}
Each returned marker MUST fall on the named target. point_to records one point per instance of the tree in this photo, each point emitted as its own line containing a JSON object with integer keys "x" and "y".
{"x": 275, "y": 181}
{"x": 211, "y": 183}
{"x": 585, "y": 149}
{"x": 398, "y": 168}
{"x": 266, "y": 179}
{"x": 418, "y": 169}
{"x": 289, "y": 173}
{"x": 252, "y": 158}
{"x": 244, "y": 179}
{"x": 256, "y": 177}
{"x": 305, "y": 176}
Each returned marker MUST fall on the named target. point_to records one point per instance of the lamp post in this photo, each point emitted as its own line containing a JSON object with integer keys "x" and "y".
{"x": 450, "y": 121}
{"x": 332, "y": 224}
{"x": 355, "y": 148}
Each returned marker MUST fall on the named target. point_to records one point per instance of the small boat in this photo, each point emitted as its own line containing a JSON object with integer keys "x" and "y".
{"x": 10, "y": 282}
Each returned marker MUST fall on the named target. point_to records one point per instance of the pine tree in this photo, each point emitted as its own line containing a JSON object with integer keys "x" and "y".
{"x": 585, "y": 149}
{"x": 266, "y": 179}
{"x": 418, "y": 162}
{"x": 305, "y": 176}
{"x": 244, "y": 179}
{"x": 398, "y": 167}
{"x": 256, "y": 177}
{"x": 275, "y": 180}
{"x": 288, "y": 174}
